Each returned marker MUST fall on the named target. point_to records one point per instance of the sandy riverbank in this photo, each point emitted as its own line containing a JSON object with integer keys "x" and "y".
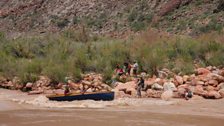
{"x": 17, "y": 108}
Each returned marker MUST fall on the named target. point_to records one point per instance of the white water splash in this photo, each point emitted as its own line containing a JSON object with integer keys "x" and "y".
{"x": 43, "y": 101}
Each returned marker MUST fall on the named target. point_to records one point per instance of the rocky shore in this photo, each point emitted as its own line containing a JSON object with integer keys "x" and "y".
{"x": 205, "y": 83}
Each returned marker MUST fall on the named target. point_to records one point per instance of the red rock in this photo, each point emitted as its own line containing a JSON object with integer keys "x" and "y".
{"x": 126, "y": 86}
{"x": 181, "y": 91}
{"x": 179, "y": 79}
{"x": 213, "y": 82}
{"x": 217, "y": 77}
{"x": 198, "y": 90}
{"x": 220, "y": 86}
{"x": 200, "y": 83}
{"x": 154, "y": 94}
{"x": 169, "y": 7}
{"x": 169, "y": 86}
{"x": 221, "y": 92}
{"x": 213, "y": 94}
{"x": 48, "y": 92}
{"x": 201, "y": 71}
{"x": 186, "y": 78}
{"x": 183, "y": 86}
{"x": 210, "y": 88}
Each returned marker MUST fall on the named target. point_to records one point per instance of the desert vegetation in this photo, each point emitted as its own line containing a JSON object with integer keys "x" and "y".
{"x": 67, "y": 54}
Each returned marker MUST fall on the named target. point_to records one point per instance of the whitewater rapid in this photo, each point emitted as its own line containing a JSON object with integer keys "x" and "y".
{"x": 43, "y": 101}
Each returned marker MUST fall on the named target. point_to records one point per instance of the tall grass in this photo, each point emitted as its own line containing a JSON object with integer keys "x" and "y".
{"x": 63, "y": 55}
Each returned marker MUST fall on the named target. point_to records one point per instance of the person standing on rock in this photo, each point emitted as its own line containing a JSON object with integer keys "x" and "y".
{"x": 140, "y": 86}
{"x": 67, "y": 89}
{"x": 135, "y": 68}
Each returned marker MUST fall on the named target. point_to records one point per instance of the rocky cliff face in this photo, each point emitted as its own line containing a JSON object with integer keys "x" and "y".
{"x": 109, "y": 16}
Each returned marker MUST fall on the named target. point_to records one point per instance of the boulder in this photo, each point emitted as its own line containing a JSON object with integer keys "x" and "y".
{"x": 200, "y": 83}
{"x": 186, "y": 78}
{"x": 154, "y": 93}
{"x": 183, "y": 86}
{"x": 221, "y": 92}
{"x": 196, "y": 97}
{"x": 128, "y": 85}
{"x": 43, "y": 81}
{"x": 157, "y": 86}
{"x": 86, "y": 82}
{"x": 198, "y": 90}
{"x": 210, "y": 88}
{"x": 89, "y": 90}
{"x": 167, "y": 95}
{"x": 213, "y": 94}
{"x": 213, "y": 82}
{"x": 177, "y": 95}
{"x": 181, "y": 91}
{"x": 221, "y": 86}
{"x": 29, "y": 85}
{"x": 179, "y": 79}
{"x": 169, "y": 7}
{"x": 106, "y": 87}
{"x": 213, "y": 76}
{"x": 169, "y": 86}
{"x": 201, "y": 71}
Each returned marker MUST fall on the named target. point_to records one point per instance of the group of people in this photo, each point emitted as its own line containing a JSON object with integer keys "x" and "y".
{"x": 127, "y": 69}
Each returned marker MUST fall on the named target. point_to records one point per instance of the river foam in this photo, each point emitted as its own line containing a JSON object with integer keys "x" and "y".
{"x": 43, "y": 101}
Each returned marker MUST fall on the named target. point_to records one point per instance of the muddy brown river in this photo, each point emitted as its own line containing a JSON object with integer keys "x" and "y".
{"x": 18, "y": 109}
